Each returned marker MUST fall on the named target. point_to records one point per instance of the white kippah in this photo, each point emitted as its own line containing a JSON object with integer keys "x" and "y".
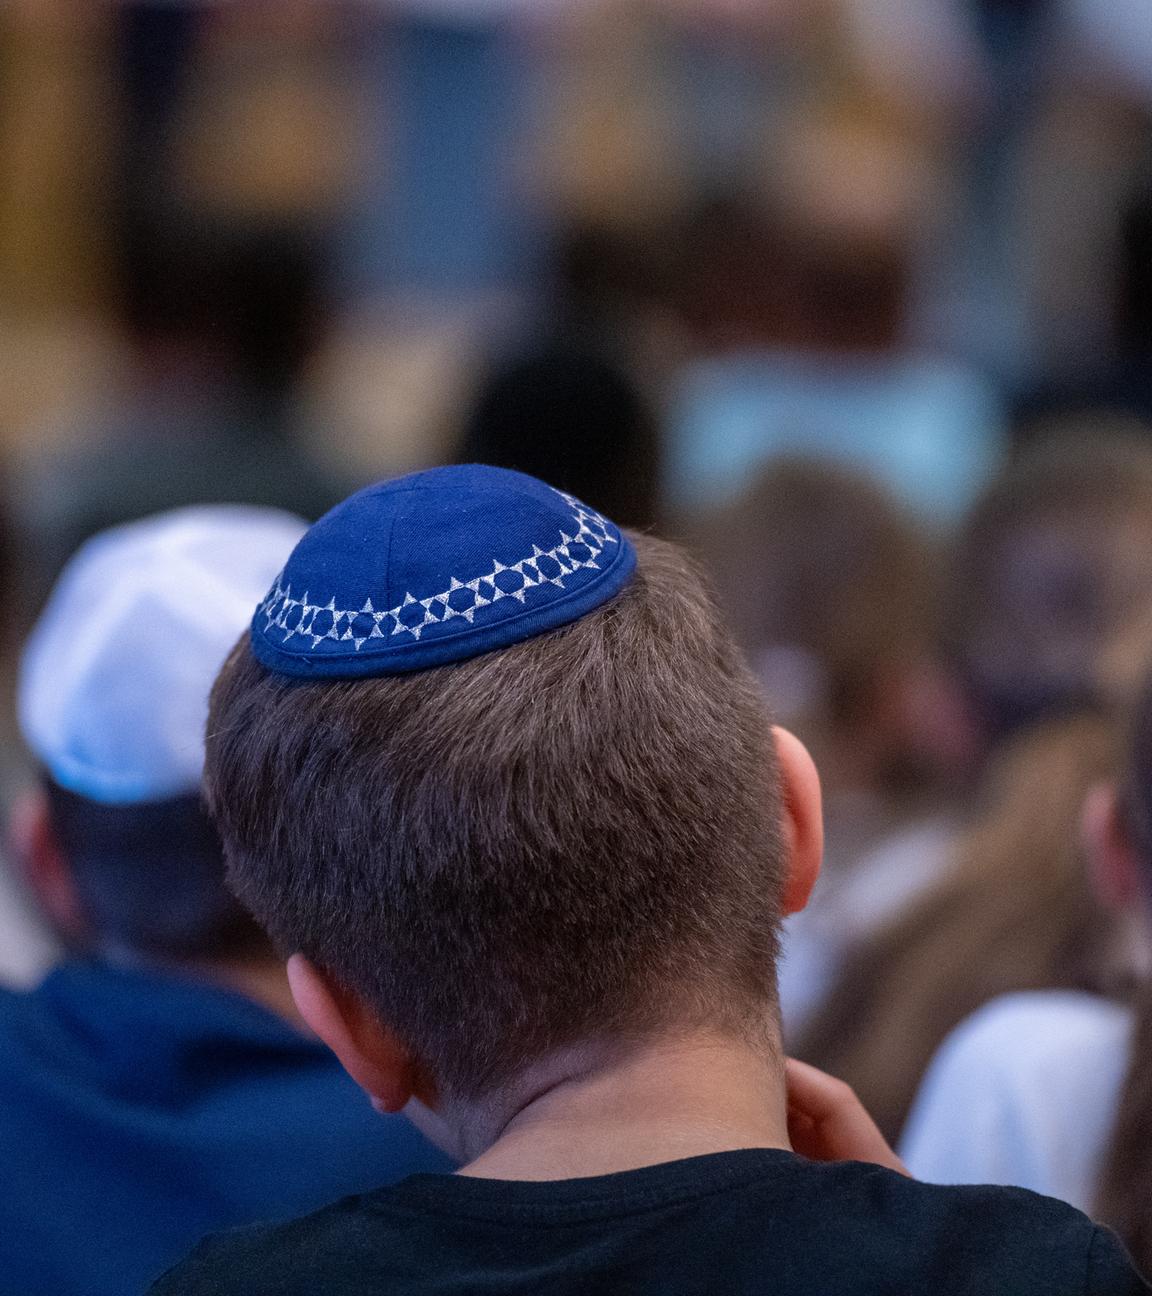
{"x": 114, "y": 679}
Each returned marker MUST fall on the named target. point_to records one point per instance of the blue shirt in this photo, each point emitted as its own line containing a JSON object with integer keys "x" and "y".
{"x": 139, "y": 1110}
{"x": 933, "y": 430}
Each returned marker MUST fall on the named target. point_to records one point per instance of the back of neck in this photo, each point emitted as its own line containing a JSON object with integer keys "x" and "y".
{"x": 582, "y": 1115}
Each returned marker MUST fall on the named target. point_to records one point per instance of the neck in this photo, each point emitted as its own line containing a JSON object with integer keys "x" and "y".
{"x": 584, "y": 1114}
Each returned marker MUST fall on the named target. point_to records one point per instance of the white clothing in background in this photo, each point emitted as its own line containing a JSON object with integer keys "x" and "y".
{"x": 933, "y": 430}
{"x": 850, "y": 905}
{"x": 1024, "y": 1093}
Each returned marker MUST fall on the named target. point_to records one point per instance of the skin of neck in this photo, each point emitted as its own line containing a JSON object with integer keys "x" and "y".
{"x": 594, "y": 1110}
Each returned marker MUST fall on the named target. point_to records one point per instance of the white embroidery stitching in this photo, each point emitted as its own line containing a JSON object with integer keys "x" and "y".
{"x": 461, "y": 598}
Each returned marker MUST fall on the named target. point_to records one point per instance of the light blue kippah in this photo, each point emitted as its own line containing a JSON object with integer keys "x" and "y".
{"x": 433, "y": 568}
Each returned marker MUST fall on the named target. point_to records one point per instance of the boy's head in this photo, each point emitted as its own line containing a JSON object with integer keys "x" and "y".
{"x": 112, "y": 697}
{"x": 552, "y": 817}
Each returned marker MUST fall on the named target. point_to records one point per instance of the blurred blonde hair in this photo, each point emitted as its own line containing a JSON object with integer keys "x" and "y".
{"x": 1014, "y": 912}
{"x": 1124, "y": 1200}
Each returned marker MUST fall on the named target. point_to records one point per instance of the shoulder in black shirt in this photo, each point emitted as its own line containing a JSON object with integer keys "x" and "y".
{"x": 756, "y": 1221}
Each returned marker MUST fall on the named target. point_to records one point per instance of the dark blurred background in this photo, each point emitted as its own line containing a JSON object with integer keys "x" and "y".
{"x": 333, "y": 241}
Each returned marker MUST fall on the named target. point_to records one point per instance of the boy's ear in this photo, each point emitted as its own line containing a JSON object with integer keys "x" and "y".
{"x": 367, "y": 1050}
{"x": 1114, "y": 868}
{"x": 43, "y": 867}
{"x": 803, "y": 818}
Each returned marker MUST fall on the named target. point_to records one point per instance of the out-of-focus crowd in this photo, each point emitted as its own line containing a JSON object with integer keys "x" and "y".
{"x": 852, "y": 296}
{"x": 903, "y": 233}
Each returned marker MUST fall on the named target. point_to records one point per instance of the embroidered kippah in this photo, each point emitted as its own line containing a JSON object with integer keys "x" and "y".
{"x": 434, "y": 568}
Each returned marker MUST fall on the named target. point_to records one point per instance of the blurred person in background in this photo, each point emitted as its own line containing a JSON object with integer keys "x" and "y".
{"x": 568, "y": 406}
{"x": 798, "y": 334}
{"x": 219, "y": 317}
{"x": 831, "y": 587}
{"x": 976, "y": 301}
{"x": 444, "y": 220}
{"x": 1116, "y": 376}
{"x": 158, "y": 1083}
{"x": 1052, "y": 1090}
{"x": 796, "y": 276}
{"x": 1049, "y": 570}
{"x": 575, "y": 418}
{"x": 219, "y": 240}
{"x": 1012, "y": 911}
{"x": 1080, "y": 221}
{"x": 782, "y": 177}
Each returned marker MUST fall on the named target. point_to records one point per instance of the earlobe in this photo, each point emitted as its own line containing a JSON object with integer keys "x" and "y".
{"x": 367, "y": 1050}
{"x": 803, "y": 818}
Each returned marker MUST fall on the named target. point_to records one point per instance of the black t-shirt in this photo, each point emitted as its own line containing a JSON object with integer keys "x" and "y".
{"x": 755, "y": 1221}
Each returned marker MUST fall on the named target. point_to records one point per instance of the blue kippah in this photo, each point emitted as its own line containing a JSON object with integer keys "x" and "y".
{"x": 434, "y": 568}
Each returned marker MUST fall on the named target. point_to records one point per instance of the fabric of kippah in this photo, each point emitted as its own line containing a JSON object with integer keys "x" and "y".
{"x": 433, "y": 568}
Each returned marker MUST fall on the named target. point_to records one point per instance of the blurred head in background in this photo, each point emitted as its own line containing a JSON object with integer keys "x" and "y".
{"x": 1047, "y": 600}
{"x": 1049, "y": 568}
{"x": 112, "y": 701}
{"x": 229, "y": 309}
{"x": 1013, "y": 910}
{"x": 831, "y": 589}
{"x": 1045, "y": 609}
{"x": 577, "y": 420}
{"x": 156, "y": 1078}
{"x": 1055, "y": 1086}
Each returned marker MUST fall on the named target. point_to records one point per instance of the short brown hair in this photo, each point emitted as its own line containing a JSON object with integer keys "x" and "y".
{"x": 575, "y": 837}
